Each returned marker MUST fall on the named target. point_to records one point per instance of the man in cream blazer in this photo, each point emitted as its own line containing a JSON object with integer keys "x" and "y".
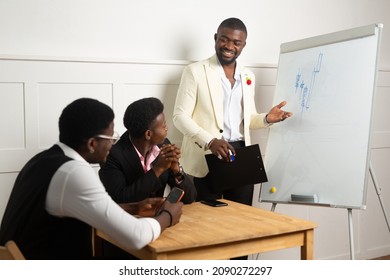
{"x": 201, "y": 112}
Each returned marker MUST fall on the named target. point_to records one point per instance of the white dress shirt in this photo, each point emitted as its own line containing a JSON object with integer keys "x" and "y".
{"x": 233, "y": 111}
{"x": 76, "y": 191}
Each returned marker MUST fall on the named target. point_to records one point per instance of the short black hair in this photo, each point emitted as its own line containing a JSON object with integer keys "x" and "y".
{"x": 140, "y": 115}
{"x": 233, "y": 23}
{"x": 82, "y": 119}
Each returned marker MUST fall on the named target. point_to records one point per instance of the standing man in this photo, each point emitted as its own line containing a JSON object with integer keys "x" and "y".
{"x": 215, "y": 109}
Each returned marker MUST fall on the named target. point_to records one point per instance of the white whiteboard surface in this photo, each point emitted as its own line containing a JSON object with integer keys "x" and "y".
{"x": 323, "y": 151}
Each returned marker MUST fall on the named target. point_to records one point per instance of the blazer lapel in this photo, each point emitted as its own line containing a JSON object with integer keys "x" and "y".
{"x": 215, "y": 89}
{"x": 130, "y": 155}
{"x": 247, "y": 92}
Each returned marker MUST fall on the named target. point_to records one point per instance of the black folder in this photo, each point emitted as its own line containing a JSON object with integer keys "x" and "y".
{"x": 246, "y": 169}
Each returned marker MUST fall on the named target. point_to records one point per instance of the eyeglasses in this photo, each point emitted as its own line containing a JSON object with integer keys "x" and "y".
{"x": 114, "y": 138}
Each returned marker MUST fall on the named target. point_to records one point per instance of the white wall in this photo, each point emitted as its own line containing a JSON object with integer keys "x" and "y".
{"x": 174, "y": 29}
{"x": 119, "y": 50}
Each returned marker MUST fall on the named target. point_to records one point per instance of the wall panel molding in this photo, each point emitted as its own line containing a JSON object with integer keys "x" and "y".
{"x": 34, "y": 90}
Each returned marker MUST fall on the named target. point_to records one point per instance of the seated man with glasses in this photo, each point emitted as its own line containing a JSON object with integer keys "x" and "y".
{"x": 114, "y": 138}
{"x": 57, "y": 196}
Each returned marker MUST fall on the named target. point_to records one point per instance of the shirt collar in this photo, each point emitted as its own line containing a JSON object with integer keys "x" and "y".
{"x": 237, "y": 74}
{"x": 154, "y": 152}
{"x": 69, "y": 152}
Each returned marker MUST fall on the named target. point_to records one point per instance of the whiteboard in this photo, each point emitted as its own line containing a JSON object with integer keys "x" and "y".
{"x": 320, "y": 156}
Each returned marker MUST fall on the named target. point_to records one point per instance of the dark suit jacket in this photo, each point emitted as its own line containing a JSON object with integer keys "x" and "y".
{"x": 125, "y": 180}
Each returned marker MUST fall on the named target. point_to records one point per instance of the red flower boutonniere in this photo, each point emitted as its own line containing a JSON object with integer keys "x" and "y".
{"x": 248, "y": 81}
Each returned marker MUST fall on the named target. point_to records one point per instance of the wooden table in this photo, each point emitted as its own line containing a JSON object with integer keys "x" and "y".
{"x": 206, "y": 232}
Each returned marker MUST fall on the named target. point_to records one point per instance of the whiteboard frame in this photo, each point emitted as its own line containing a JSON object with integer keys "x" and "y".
{"x": 332, "y": 38}
{"x": 327, "y": 39}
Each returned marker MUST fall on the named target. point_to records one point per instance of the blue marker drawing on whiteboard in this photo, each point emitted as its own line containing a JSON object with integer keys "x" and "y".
{"x": 306, "y": 91}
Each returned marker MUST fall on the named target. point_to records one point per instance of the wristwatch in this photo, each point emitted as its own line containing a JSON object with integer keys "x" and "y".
{"x": 179, "y": 174}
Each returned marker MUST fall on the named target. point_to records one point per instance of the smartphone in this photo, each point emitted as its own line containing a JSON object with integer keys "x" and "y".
{"x": 174, "y": 196}
{"x": 214, "y": 203}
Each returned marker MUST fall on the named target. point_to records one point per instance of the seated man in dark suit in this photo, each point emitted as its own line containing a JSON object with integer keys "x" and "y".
{"x": 143, "y": 161}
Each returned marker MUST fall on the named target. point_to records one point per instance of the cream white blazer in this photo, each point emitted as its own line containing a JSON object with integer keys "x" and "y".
{"x": 198, "y": 111}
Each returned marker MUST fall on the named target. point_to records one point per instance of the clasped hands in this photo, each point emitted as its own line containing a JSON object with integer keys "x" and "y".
{"x": 168, "y": 158}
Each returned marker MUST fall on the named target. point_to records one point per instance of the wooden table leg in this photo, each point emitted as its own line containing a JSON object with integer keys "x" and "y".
{"x": 307, "y": 250}
{"x": 97, "y": 244}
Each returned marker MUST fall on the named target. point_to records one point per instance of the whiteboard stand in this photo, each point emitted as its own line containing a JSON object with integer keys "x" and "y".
{"x": 378, "y": 191}
{"x": 351, "y": 242}
{"x": 350, "y": 225}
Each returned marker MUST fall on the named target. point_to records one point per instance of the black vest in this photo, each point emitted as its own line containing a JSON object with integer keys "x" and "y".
{"x": 39, "y": 234}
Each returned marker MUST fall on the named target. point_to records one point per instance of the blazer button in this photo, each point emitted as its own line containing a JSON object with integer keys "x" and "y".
{"x": 221, "y": 131}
